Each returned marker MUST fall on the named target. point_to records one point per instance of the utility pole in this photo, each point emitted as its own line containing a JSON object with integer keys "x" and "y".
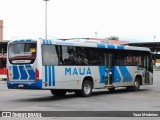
{"x": 46, "y": 18}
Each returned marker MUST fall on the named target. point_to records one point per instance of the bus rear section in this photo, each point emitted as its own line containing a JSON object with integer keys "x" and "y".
{"x": 22, "y": 66}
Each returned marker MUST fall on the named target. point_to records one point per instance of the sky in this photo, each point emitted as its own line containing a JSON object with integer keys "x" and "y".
{"x": 130, "y": 20}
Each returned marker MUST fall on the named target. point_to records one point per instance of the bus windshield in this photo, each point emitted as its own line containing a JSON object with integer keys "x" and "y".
{"x": 22, "y": 53}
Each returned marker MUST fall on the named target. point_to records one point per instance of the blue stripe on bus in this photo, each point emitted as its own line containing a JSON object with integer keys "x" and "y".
{"x": 101, "y": 45}
{"x": 49, "y": 76}
{"x": 102, "y": 74}
{"x": 23, "y": 73}
{"x": 50, "y": 42}
{"x": 30, "y": 72}
{"x": 47, "y": 42}
{"x": 28, "y": 40}
{"x": 116, "y": 75}
{"x": 21, "y": 40}
{"x": 125, "y": 73}
{"x": 15, "y": 72}
{"x": 15, "y": 41}
{"x": 120, "y": 47}
{"x": 43, "y": 41}
{"x": 111, "y": 46}
{"x": 53, "y": 76}
{"x": 45, "y": 75}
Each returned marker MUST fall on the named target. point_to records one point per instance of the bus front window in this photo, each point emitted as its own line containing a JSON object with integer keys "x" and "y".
{"x": 22, "y": 53}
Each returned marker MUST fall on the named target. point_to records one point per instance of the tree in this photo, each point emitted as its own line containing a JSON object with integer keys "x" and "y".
{"x": 113, "y": 38}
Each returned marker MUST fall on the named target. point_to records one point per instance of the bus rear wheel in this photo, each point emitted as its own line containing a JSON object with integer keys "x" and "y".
{"x": 59, "y": 93}
{"x": 86, "y": 89}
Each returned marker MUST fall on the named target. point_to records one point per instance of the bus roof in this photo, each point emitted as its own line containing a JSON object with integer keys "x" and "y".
{"x": 85, "y": 43}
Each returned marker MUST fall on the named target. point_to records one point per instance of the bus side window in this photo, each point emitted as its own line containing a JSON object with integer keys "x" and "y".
{"x": 49, "y": 54}
{"x": 94, "y": 56}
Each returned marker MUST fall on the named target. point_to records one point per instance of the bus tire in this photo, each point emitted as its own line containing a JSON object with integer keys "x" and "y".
{"x": 59, "y": 93}
{"x": 86, "y": 90}
{"x": 136, "y": 85}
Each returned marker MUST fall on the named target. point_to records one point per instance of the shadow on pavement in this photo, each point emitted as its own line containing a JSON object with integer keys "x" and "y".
{"x": 73, "y": 96}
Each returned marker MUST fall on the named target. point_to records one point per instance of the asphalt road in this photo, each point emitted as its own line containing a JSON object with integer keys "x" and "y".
{"x": 146, "y": 99}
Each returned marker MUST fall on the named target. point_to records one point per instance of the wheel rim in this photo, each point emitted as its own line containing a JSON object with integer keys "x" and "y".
{"x": 136, "y": 84}
{"x": 87, "y": 89}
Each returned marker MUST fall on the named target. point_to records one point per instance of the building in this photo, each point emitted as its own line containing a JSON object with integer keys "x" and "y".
{"x": 1, "y": 30}
{"x": 3, "y": 56}
{"x": 117, "y": 42}
{"x": 154, "y": 46}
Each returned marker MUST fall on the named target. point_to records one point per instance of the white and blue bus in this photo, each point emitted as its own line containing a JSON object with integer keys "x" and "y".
{"x": 76, "y": 66}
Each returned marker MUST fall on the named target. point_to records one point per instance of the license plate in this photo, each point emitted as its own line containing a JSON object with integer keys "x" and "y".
{"x": 20, "y": 86}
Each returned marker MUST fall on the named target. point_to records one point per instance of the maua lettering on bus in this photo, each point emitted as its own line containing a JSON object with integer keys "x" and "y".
{"x": 78, "y": 71}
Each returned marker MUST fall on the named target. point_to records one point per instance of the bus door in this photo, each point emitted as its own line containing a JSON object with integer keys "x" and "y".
{"x": 147, "y": 72}
{"x": 108, "y": 64}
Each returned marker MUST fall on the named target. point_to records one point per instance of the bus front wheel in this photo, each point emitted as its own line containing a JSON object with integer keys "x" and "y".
{"x": 86, "y": 89}
{"x": 136, "y": 85}
{"x": 58, "y": 93}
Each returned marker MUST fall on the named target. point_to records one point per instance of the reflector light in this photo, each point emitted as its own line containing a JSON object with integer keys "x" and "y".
{"x": 36, "y": 76}
{"x": 7, "y": 74}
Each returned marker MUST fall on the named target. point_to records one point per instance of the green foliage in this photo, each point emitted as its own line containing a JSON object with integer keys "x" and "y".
{"x": 113, "y": 38}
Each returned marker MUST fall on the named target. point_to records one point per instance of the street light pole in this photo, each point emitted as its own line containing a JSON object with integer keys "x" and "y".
{"x": 46, "y": 18}
{"x": 154, "y": 37}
